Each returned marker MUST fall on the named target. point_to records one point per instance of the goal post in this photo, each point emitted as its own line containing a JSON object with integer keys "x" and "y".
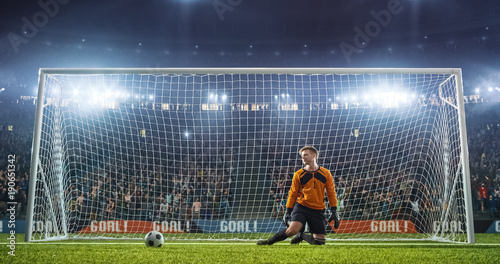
{"x": 208, "y": 153}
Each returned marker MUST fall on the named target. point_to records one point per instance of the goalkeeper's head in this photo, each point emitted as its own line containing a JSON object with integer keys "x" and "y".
{"x": 311, "y": 149}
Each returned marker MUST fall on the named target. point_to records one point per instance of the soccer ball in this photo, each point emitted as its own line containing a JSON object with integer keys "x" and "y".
{"x": 154, "y": 239}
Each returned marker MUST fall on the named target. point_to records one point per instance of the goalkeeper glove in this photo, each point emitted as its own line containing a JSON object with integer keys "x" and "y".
{"x": 287, "y": 217}
{"x": 334, "y": 217}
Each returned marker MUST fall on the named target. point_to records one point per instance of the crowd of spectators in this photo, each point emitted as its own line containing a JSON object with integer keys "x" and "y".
{"x": 484, "y": 149}
{"x": 158, "y": 175}
{"x": 15, "y": 150}
{"x": 372, "y": 184}
{"x": 188, "y": 193}
{"x": 154, "y": 178}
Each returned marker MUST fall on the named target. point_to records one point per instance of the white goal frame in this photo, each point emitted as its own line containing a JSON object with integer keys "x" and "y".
{"x": 454, "y": 72}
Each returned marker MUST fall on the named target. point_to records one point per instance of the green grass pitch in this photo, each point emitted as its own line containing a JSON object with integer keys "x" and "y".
{"x": 486, "y": 250}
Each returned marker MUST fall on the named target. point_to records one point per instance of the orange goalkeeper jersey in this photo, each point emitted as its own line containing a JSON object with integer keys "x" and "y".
{"x": 308, "y": 189}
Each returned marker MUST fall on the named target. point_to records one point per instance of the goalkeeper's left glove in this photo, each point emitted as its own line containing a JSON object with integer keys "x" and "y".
{"x": 334, "y": 217}
{"x": 287, "y": 217}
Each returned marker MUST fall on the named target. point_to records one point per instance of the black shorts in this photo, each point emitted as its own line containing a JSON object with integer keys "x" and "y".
{"x": 315, "y": 218}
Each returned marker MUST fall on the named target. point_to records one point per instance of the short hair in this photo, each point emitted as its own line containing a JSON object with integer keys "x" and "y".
{"x": 311, "y": 148}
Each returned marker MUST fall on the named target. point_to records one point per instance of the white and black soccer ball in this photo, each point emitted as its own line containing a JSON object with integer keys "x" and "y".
{"x": 154, "y": 239}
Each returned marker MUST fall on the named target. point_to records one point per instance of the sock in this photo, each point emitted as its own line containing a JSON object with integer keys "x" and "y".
{"x": 280, "y": 236}
{"x": 308, "y": 238}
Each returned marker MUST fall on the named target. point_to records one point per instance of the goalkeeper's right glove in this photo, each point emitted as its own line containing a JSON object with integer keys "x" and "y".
{"x": 287, "y": 217}
{"x": 334, "y": 217}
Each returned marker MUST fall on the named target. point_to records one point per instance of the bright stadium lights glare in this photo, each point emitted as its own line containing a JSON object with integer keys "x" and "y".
{"x": 151, "y": 97}
{"x": 498, "y": 89}
{"x": 477, "y": 90}
{"x": 76, "y": 92}
{"x": 224, "y": 97}
{"x": 283, "y": 95}
{"x": 275, "y": 97}
{"x": 391, "y": 99}
{"x": 490, "y": 89}
{"x": 211, "y": 96}
{"x": 287, "y": 95}
{"x": 186, "y": 134}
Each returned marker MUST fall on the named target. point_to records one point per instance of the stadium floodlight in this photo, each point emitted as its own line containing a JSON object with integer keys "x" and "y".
{"x": 3, "y": 89}
{"x": 490, "y": 89}
{"x": 108, "y": 94}
{"x": 404, "y": 176}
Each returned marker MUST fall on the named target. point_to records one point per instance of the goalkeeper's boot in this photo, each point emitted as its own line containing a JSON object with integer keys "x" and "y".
{"x": 296, "y": 239}
{"x": 263, "y": 242}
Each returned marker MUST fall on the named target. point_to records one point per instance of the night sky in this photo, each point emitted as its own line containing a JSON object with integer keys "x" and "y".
{"x": 248, "y": 33}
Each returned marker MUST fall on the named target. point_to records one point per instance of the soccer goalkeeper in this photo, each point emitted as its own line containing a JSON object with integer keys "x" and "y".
{"x": 306, "y": 202}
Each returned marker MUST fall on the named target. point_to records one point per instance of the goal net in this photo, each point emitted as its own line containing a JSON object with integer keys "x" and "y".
{"x": 210, "y": 153}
